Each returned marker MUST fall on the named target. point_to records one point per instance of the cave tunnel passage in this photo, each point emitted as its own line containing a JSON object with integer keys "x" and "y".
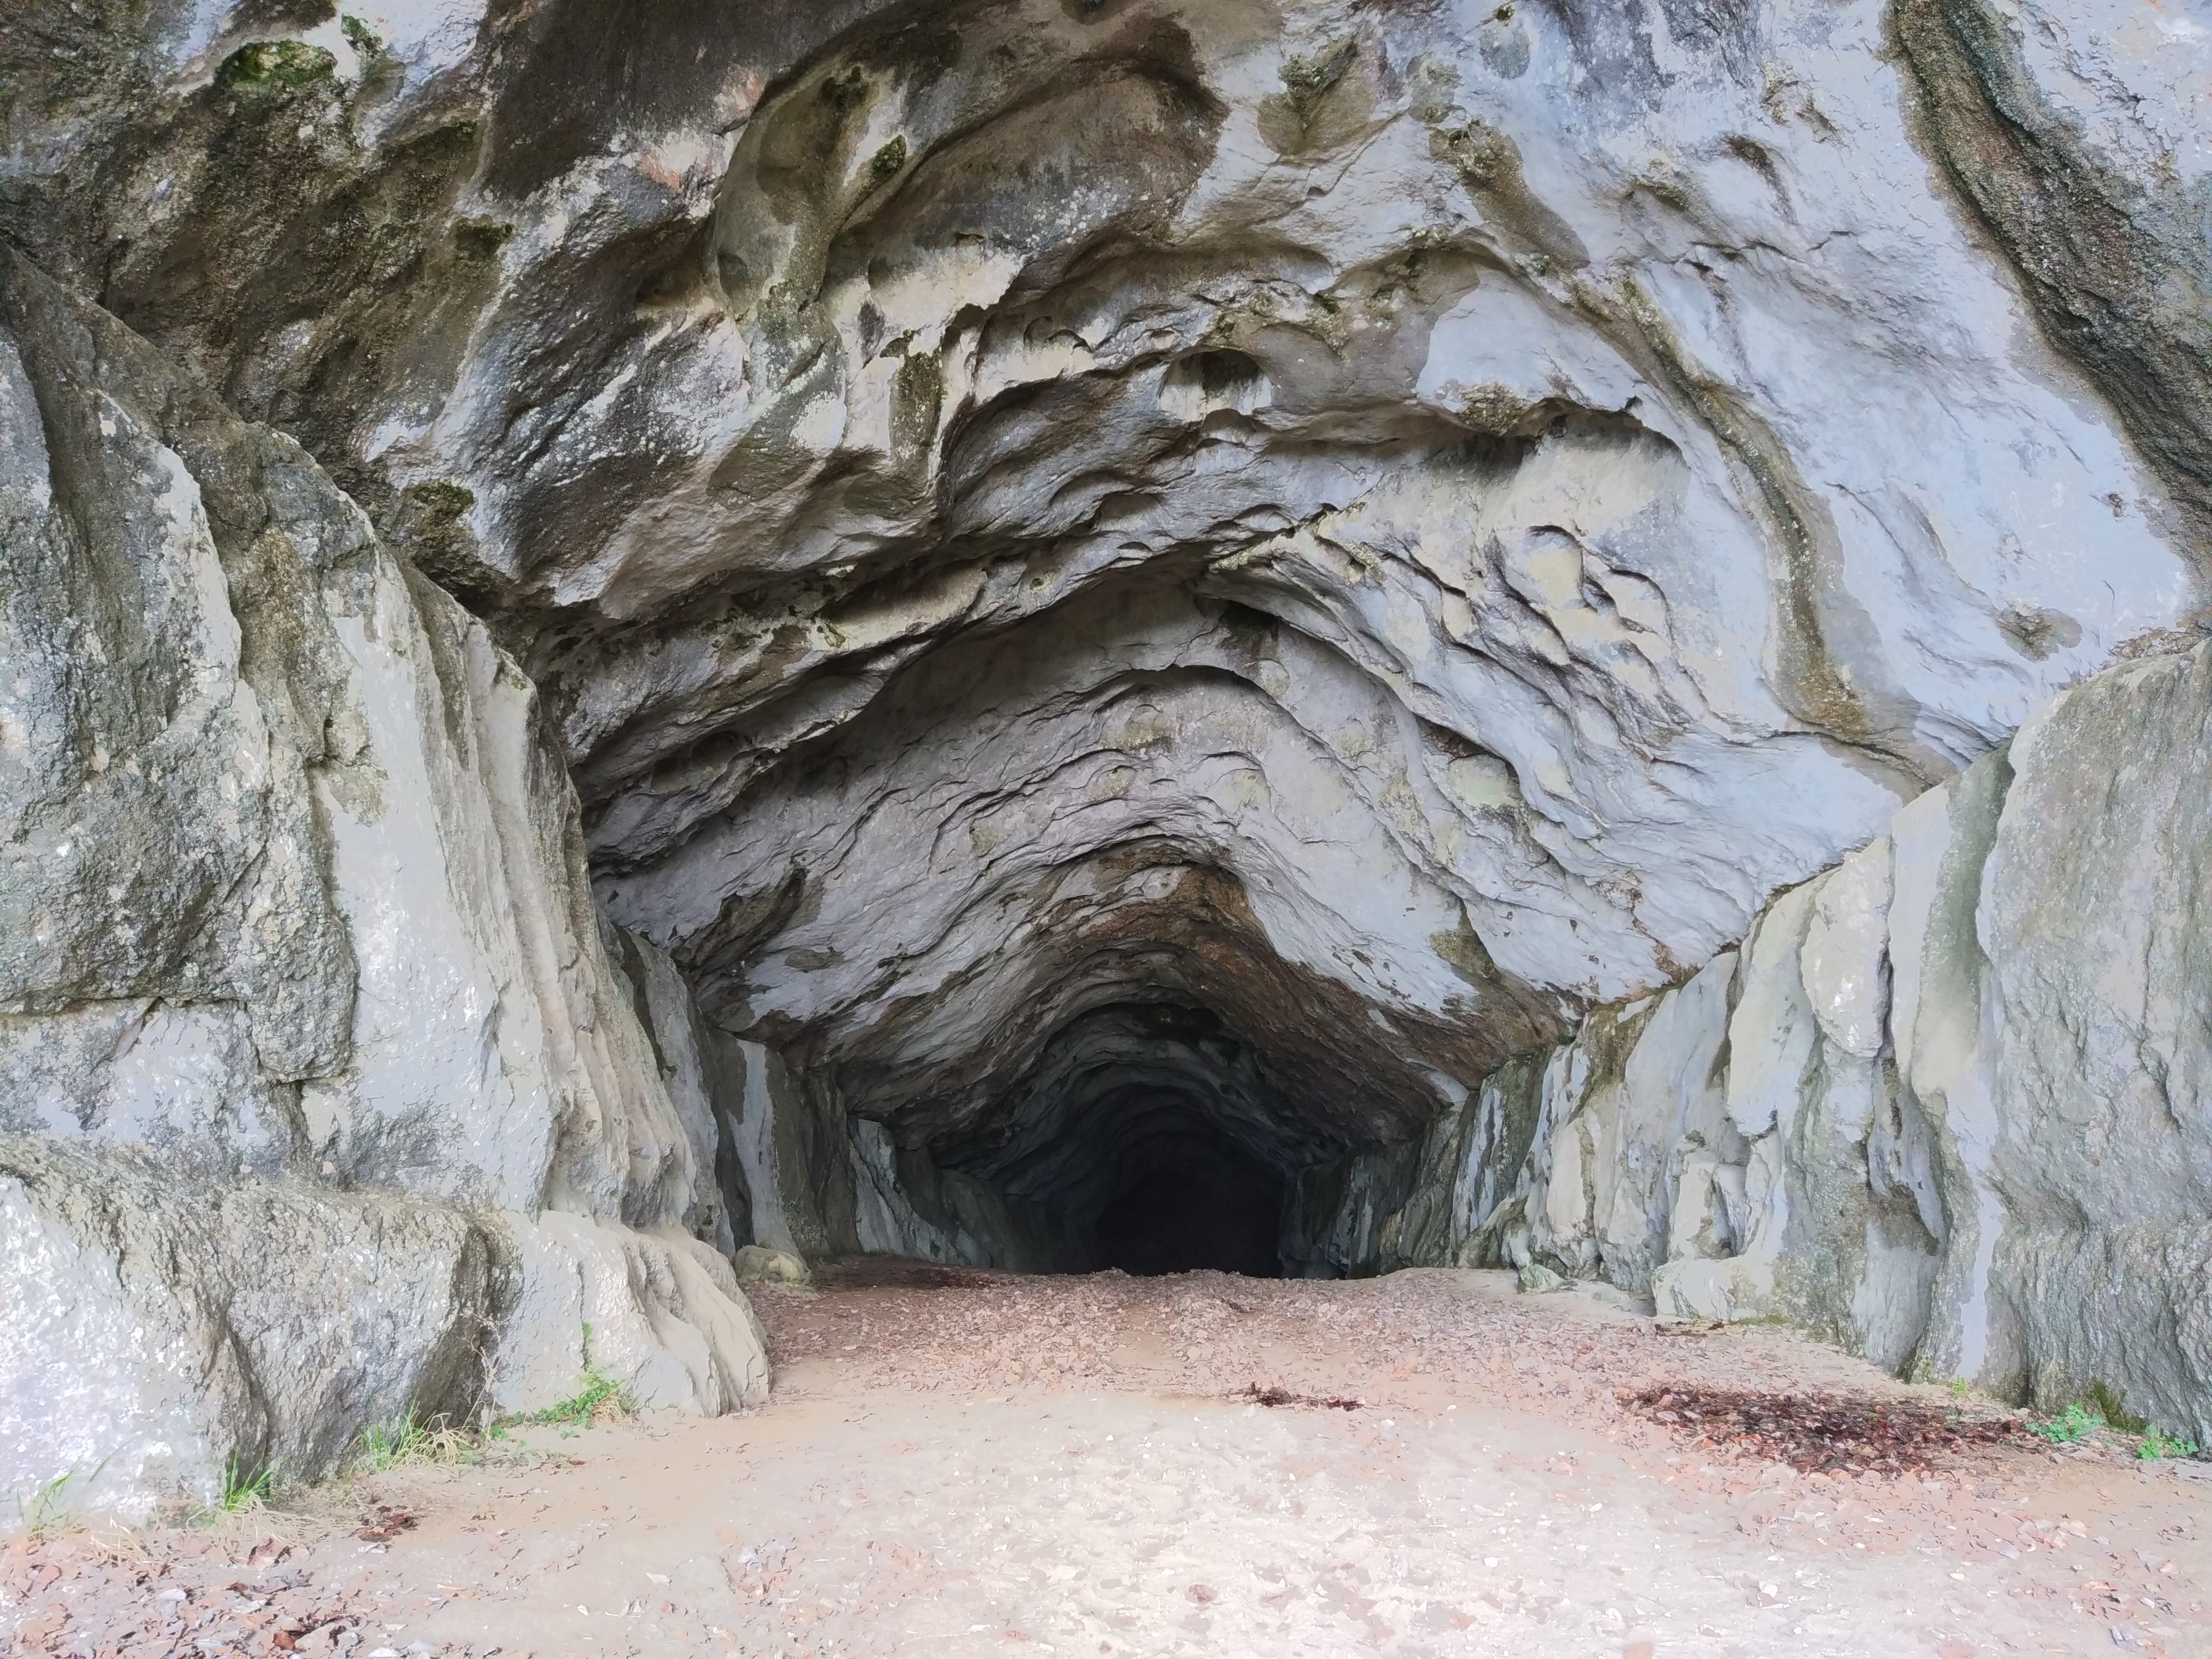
{"x": 1146, "y": 1137}
{"x": 1188, "y": 1197}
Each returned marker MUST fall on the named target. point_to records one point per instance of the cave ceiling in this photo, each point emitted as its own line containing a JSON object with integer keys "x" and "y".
{"x": 1081, "y": 550}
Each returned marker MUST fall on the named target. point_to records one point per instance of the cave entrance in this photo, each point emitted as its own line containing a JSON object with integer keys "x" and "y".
{"x": 1192, "y": 1199}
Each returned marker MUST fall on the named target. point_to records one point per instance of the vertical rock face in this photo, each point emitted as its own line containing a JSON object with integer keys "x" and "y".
{"x": 1949, "y": 1104}
{"x": 304, "y": 1016}
{"x": 2071, "y": 133}
{"x": 2097, "y": 989}
{"x": 955, "y": 630}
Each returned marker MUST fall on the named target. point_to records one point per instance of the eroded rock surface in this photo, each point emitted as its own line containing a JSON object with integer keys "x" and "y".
{"x": 307, "y": 1028}
{"x": 850, "y": 627}
{"x": 1948, "y": 1105}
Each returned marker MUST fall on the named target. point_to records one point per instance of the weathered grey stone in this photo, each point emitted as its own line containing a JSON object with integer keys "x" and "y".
{"x": 2094, "y": 915}
{"x": 704, "y": 1072}
{"x": 1965, "y": 1083}
{"x": 757, "y": 1264}
{"x": 2070, "y": 131}
{"x": 659, "y": 1313}
{"x": 1843, "y": 961}
{"x": 294, "y": 901}
{"x": 158, "y": 1330}
{"x": 768, "y": 1134}
{"x": 1409, "y": 542}
{"x": 886, "y": 1220}
{"x": 1109, "y": 588}
{"x": 1632, "y": 1109}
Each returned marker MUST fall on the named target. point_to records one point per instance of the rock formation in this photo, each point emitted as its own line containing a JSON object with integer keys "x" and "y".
{"x": 320, "y": 1101}
{"x": 1944, "y": 1105}
{"x": 1432, "y": 633}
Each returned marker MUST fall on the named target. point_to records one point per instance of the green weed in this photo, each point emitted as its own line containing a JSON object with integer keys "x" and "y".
{"x": 2075, "y": 1424}
{"x": 45, "y": 1510}
{"x": 597, "y": 1396}
{"x": 410, "y": 1441}
{"x": 888, "y": 160}
{"x": 386, "y": 1446}
{"x": 242, "y": 1489}
{"x": 2155, "y": 1445}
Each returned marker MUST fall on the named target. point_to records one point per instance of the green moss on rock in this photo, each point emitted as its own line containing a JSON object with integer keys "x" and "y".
{"x": 268, "y": 65}
{"x": 888, "y": 161}
{"x": 480, "y": 240}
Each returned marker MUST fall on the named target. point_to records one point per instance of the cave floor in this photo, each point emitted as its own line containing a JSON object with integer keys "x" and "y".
{"x": 966, "y": 1464}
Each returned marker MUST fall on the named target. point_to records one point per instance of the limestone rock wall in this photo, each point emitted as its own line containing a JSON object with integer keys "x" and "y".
{"x": 306, "y": 1025}
{"x": 1950, "y": 1103}
{"x": 1403, "y": 521}
{"x": 869, "y": 615}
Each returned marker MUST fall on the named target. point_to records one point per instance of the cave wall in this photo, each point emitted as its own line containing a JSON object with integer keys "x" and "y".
{"x": 1950, "y": 1103}
{"x": 635, "y": 626}
{"x": 321, "y": 1101}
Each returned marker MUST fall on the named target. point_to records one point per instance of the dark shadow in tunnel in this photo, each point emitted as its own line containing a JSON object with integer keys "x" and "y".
{"x": 1145, "y": 1136}
{"x": 1196, "y": 1201}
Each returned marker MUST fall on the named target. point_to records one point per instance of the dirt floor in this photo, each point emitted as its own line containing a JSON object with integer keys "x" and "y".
{"x": 960, "y": 1464}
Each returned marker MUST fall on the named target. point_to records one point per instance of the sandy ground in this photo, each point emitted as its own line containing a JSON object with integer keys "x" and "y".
{"x": 965, "y": 1464}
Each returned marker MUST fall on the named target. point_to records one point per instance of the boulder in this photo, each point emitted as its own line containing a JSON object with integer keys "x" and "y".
{"x": 756, "y": 1264}
{"x": 160, "y": 1333}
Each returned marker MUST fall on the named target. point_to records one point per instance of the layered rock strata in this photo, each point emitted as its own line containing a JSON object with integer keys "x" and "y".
{"x": 1950, "y": 1103}
{"x": 320, "y": 1103}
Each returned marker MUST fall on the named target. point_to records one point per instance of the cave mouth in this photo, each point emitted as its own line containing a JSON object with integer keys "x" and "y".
{"x": 1193, "y": 1199}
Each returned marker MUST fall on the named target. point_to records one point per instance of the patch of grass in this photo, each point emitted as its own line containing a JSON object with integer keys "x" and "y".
{"x": 598, "y": 1398}
{"x": 44, "y": 1510}
{"x": 414, "y": 1442}
{"x": 2071, "y": 1426}
{"x": 2155, "y": 1445}
{"x": 244, "y": 1490}
{"x": 386, "y": 1446}
{"x": 410, "y": 1441}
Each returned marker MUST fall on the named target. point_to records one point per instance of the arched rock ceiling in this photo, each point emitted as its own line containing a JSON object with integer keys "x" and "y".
{"x": 1369, "y": 524}
{"x": 1382, "y": 508}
